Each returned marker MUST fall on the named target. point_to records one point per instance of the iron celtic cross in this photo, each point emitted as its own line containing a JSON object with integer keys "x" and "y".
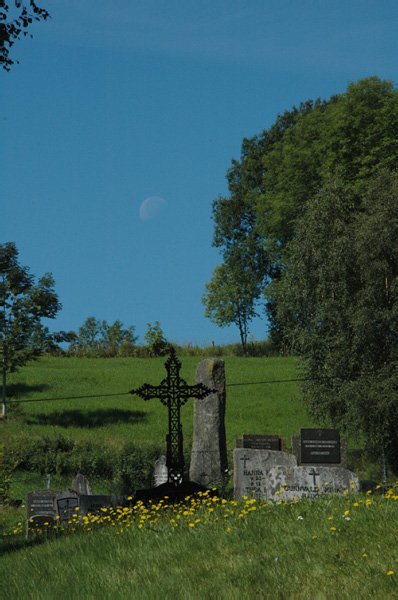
{"x": 173, "y": 392}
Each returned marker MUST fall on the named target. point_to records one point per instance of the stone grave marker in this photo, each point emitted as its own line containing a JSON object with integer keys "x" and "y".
{"x": 251, "y": 469}
{"x": 81, "y": 485}
{"x": 65, "y": 504}
{"x": 319, "y": 446}
{"x": 293, "y": 483}
{"x": 209, "y": 464}
{"x": 160, "y": 472}
{"x": 40, "y": 511}
{"x": 260, "y": 442}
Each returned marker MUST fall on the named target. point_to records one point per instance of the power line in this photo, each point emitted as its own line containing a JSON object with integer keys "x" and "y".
{"x": 262, "y": 382}
{"x": 70, "y": 397}
{"x": 226, "y": 385}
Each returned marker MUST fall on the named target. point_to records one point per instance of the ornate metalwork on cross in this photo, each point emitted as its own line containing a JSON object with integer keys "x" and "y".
{"x": 173, "y": 392}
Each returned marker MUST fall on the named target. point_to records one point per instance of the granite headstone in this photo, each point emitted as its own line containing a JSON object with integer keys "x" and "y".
{"x": 251, "y": 469}
{"x": 293, "y": 483}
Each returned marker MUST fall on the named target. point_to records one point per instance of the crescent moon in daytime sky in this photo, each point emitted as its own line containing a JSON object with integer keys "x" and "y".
{"x": 151, "y": 207}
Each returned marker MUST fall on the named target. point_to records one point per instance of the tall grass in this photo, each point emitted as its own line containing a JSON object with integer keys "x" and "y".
{"x": 333, "y": 547}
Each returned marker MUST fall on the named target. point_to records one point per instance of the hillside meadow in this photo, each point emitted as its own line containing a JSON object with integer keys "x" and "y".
{"x": 115, "y": 439}
{"x": 258, "y": 408}
{"x": 334, "y": 547}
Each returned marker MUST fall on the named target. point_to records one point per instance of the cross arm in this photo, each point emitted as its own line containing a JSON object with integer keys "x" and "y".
{"x": 147, "y": 391}
{"x": 198, "y": 391}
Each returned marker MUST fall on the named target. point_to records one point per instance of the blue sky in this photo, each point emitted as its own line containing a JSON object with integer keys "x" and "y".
{"x": 117, "y": 102}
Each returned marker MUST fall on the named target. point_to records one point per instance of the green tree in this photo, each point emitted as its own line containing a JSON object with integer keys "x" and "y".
{"x": 11, "y": 29}
{"x": 338, "y": 303}
{"x": 232, "y": 294}
{"x": 23, "y": 305}
{"x": 158, "y": 345}
{"x": 97, "y": 338}
{"x": 349, "y": 137}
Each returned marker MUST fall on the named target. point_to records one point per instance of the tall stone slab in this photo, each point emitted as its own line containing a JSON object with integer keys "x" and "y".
{"x": 209, "y": 452}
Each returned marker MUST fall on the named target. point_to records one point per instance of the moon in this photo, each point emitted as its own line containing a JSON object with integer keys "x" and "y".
{"x": 152, "y": 207}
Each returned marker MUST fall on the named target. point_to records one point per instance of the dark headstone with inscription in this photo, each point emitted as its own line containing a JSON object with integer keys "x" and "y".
{"x": 41, "y": 503}
{"x": 259, "y": 442}
{"x": 66, "y": 503}
{"x": 317, "y": 446}
{"x": 40, "y": 511}
{"x": 320, "y": 446}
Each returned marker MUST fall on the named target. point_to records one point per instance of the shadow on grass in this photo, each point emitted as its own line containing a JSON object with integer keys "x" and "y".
{"x": 15, "y": 545}
{"x": 19, "y": 390}
{"x": 89, "y": 418}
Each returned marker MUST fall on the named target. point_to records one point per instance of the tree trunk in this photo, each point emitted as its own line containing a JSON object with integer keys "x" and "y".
{"x": 383, "y": 465}
{"x": 4, "y": 390}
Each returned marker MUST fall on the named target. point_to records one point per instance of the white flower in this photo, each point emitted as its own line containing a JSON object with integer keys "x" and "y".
{"x": 300, "y": 518}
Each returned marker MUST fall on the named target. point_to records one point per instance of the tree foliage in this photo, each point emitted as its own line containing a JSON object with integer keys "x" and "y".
{"x": 338, "y": 303}
{"x": 13, "y": 29}
{"x": 347, "y": 139}
{"x": 23, "y": 305}
{"x": 97, "y": 338}
{"x": 154, "y": 337}
{"x": 231, "y": 296}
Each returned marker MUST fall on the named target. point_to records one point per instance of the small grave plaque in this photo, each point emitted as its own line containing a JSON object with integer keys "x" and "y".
{"x": 320, "y": 446}
{"x": 40, "y": 525}
{"x": 260, "y": 442}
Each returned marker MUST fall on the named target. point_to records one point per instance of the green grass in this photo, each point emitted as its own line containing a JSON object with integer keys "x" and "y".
{"x": 258, "y": 408}
{"x": 100, "y": 431}
{"x": 333, "y": 547}
{"x": 237, "y": 550}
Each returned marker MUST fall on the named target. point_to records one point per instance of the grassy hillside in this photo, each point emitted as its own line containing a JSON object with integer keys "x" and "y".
{"x": 115, "y": 440}
{"x": 257, "y": 408}
{"x": 334, "y": 547}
